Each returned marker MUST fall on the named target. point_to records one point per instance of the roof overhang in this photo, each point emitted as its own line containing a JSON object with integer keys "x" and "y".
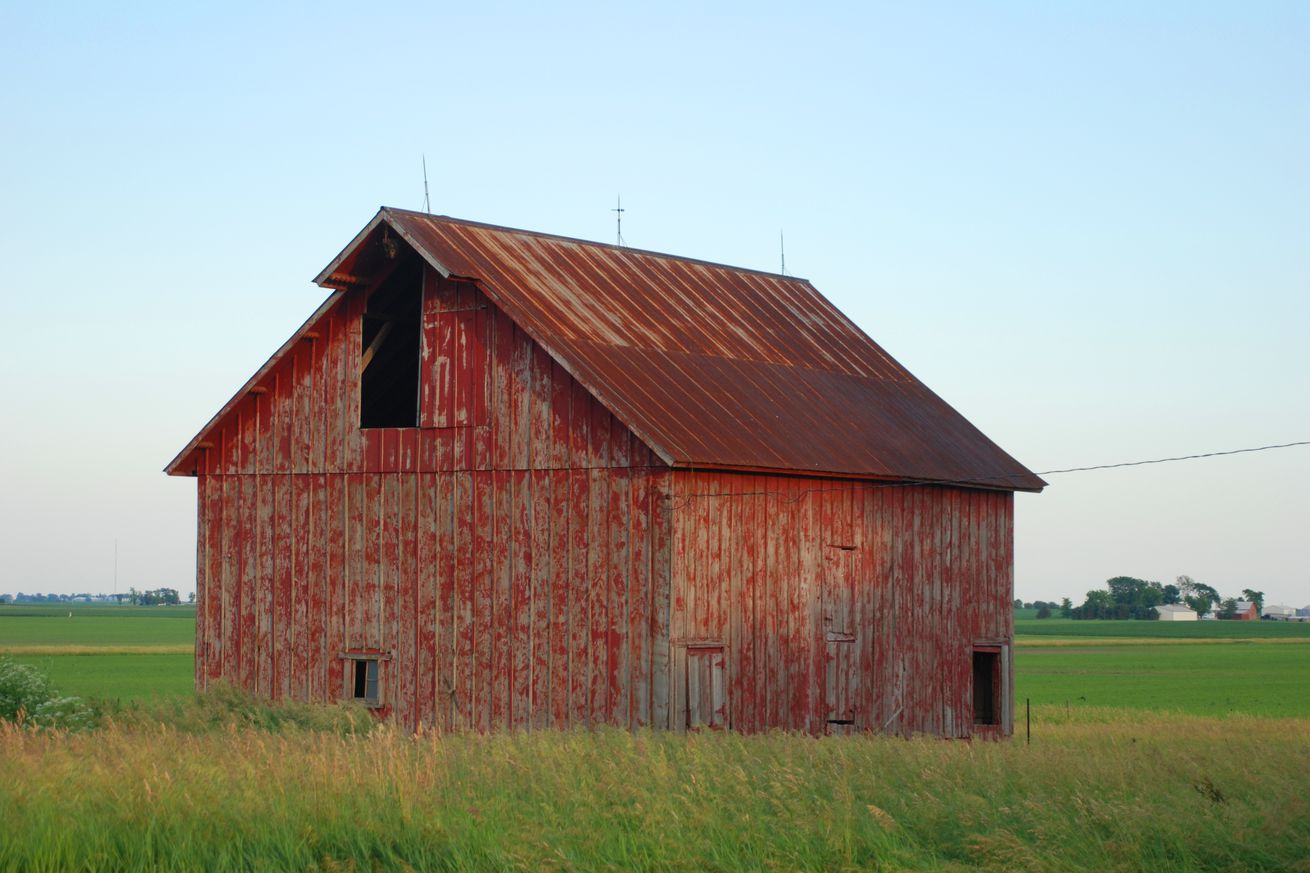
{"x": 358, "y": 260}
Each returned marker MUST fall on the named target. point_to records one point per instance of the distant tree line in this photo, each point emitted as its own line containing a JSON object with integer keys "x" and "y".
{"x": 150, "y": 597}
{"x": 1045, "y": 609}
{"x": 1126, "y": 597}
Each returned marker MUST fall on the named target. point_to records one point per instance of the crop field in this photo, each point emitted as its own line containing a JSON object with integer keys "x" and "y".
{"x": 1254, "y": 679}
{"x": 1164, "y": 630}
{"x": 106, "y": 652}
{"x": 1214, "y": 668}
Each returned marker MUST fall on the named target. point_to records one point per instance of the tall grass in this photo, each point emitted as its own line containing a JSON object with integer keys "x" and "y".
{"x": 1098, "y": 790}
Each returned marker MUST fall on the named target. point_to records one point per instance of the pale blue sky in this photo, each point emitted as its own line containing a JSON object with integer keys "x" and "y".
{"x": 1084, "y": 225}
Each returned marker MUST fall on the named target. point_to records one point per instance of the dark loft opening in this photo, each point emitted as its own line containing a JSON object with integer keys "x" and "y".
{"x": 366, "y": 680}
{"x": 986, "y": 687}
{"x": 389, "y": 351}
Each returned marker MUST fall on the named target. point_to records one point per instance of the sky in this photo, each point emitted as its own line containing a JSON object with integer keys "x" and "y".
{"x": 1086, "y": 226}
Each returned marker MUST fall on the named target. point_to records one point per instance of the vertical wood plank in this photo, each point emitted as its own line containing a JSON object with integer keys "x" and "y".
{"x": 539, "y": 408}
{"x": 560, "y": 392}
{"x": 520, "y": 597}
{"x": 302, "y": 545}
{"x": 579, "y": 427}
{"x": 448, "y": 615}
{"x": 499, "y": 663}
{"x": 390, "y": 566}
{"x": 284, "y": 541}
{"x": 746, "y": 618}
{"x": 202, "y": 564}
{"x": 466, "y": 570}
{"x": 560, "y": 660}
{"x": 598, "y": 434}
{"x": 541, "y": 624}
{"x": 597, "y": 596}
{"x": 425, "y": 601}
{"x": 432, "y": 365}
{"x": 661, "y": 597}
{"x": 773, "y": 666}
{"x": 502, "y": 339}
{"x": 353, "y": 439}
{"x": 335, "y": 513}
{"x": 219, "y": 515}
{"x": 520, "y": 401}
{"x": 579, "y": 599}
{"x": 461, "y": 328}
{"x": 249, "y": 574}
{"x": 484, "y": 545}
{"x": 407, "y": 611}
{"x": 639, "y": 599}
{"x": 618, "y": 560}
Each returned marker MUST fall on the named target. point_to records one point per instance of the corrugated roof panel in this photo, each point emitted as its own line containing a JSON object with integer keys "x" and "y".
{"x": 714, "y": 365}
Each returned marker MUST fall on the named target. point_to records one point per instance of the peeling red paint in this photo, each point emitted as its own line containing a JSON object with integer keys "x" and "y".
{"x": 525, "y": 560}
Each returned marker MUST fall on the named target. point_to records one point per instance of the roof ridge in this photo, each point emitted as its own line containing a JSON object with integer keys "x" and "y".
{"x": 468, "y": 222}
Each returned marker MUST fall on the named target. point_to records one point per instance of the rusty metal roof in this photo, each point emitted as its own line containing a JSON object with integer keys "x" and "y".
{"x": 712, "y": 366}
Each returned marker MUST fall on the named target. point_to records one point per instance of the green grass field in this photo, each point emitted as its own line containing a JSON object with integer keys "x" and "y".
{"x": 1254, "y": 679}
{"x": 1165, "y": 630}
{"x": 115, "y": 653}
{"x": 1215, "y": 668}
{"x": 118, "y": 677}
{"x": 96, "y": 625}
{"x": 1212, "y": 779}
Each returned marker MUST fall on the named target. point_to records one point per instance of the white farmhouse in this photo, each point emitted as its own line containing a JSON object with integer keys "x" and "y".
{"x": 1174, "y": 612}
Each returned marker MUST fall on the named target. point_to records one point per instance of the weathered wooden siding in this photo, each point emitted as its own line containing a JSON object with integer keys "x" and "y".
{"x": 523, "y": 560}
{"x": 511, "y": 559}
{"x": 840, "y": 599}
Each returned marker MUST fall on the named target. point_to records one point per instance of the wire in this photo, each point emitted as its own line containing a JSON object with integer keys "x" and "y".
{"x": 1179, "y": 458}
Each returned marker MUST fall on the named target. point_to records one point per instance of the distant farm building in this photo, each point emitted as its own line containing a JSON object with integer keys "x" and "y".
{"x": 1246, "y": 611}
{"x": 1175, "y": 612}
{"x": 1284, "y": 613}
{"x": 502, "y": 479}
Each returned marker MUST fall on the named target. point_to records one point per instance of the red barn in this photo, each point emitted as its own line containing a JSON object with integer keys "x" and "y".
{"x": 503, "y": 479}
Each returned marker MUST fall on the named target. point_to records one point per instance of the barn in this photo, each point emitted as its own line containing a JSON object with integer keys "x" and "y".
{"x": 504, "y": 479}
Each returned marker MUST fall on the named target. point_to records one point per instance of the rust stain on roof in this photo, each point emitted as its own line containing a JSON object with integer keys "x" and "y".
{"x": 713, "y": 366}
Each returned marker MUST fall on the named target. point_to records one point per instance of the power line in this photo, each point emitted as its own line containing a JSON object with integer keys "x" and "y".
{"x": 1178, "y": 458}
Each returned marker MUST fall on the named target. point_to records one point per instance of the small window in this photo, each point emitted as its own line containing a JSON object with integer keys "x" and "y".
{"x": 987, "y": 686}
{"x": 366, "y": 680}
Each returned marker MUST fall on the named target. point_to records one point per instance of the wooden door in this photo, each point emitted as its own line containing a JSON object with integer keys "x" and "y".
{"x": 707, "y": 702}
{"x": 840, "y": 638}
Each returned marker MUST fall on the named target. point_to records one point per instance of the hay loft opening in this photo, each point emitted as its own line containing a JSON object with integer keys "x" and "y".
{"x": 389, "y": 349}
